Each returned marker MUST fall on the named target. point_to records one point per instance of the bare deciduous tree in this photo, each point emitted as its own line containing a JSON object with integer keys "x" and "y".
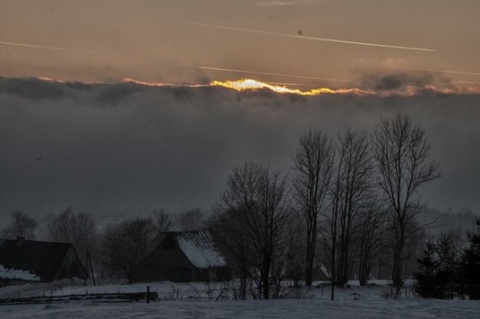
{"x": 231, "y": 240}
{"x": 21, "y": 226}
{"x": 370, "y": 240}
{"x": 253, "y": 220}
{"x": 313, "y": 162}
{"x": 401, "y": 154}
{"x": 126, "y": 245}
{"x": 351, "y": 194}
{"x": 77, "y": 229}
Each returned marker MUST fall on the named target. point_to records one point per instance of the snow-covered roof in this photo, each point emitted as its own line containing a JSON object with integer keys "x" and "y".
{"x": 6, "y": 273}
{"x": 47, "y": 260}
{"x": 199, "y": 248}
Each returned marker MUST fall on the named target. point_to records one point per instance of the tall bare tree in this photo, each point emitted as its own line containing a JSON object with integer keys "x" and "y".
{"x": 313, "y": 162}
{"x": 353, "y": 194}
{"x": 21, "y": 226}
{"x": 350, "y": 195}
{"x": 370, "y": 240}
{"x": 126, "y": 245}
{"x": 232, "y": 241}
{"x": 77, "y": 229}
{"x": 401, "y": 154}
{"x": 253, "y": 220}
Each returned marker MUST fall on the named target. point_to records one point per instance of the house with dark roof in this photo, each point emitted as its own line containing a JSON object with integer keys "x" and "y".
{"x": 184, "y": 257}
{"x": 28, "y": 260}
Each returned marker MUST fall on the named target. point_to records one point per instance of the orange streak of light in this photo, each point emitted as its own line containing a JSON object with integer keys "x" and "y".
{"x": 249, "y": 84}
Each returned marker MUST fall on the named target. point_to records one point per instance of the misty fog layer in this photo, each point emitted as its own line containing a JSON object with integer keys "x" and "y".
{"x": 126, "y": 146}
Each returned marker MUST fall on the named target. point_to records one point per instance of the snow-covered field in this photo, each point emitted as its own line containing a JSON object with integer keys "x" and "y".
{"x": 191, "y": 301}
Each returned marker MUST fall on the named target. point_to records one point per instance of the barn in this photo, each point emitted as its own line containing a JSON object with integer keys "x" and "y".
{"x": 184, "y": 257}
{"x": 28, "y": 260}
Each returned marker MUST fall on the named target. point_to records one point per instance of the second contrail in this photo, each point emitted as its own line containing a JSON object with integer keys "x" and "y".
{"x": 301, "y": 37}
{"x": 43, "y": 47}
{"x": 269, "y": 73}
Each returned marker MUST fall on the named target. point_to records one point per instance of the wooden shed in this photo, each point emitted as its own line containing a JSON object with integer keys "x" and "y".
{"x": 29, "y": 260}
{"x": 184, "y": 257}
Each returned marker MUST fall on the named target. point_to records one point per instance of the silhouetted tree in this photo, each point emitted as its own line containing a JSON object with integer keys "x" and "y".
{"x": 401, "y": 154}
{"x": 77, "y": 229}
{"x": 447, "y": 266}
{"x": 313, "y": 164}
{"x": 20, "y": 226}
{"x": 437, "y": 273}
{"x": 352, "y": 195}
{"x": 469, "y": 270}
{"x": 426, "y": 278}
{"x": 253, "y": 218}
{"x": 126, "y": 245}
{"x": 370, "y": 240}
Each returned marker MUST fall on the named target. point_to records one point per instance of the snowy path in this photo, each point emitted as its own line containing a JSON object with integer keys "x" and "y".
{"x": 405, "y": 308}
{"x": 357, "y": 302}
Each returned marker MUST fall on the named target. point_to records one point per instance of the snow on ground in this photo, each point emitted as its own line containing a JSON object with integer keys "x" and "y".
{"x": 357, "y": 302}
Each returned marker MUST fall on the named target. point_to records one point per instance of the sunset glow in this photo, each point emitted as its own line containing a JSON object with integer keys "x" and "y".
{"x": 243, "y": 85}
{"x": 249, "y": 84}
{"x": 252, "y": 85}
{"x": 158, "y": 116}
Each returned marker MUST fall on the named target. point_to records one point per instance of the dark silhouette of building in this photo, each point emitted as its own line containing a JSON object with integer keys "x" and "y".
{"x": 183, "y": 257}
{"x": 28, "y": 260}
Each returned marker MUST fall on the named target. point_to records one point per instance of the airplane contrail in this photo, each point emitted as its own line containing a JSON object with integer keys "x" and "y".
{"x": 302, "y": 37}
{"x": 44, "y": 47}
{"x": 435, "y": 70}
{"x": 268, "y": 73}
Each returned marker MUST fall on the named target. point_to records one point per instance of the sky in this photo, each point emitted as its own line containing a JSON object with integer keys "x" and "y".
{"x": 172, "y": 41}
{"x": 106, "y": 105}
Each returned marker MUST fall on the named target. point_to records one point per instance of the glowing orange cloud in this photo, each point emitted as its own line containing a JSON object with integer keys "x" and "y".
{"x": 282, "y": 88}
{"x": 249, "y": 84}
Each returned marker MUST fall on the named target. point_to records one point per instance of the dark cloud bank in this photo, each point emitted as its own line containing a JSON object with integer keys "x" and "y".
{"x": 124, "y": 146}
